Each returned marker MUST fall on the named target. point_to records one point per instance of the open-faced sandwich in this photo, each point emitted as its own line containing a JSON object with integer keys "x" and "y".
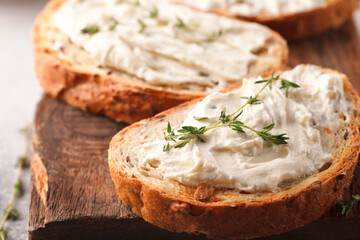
{"x": 131, "y": 59}
{"x": 265, "y": 157}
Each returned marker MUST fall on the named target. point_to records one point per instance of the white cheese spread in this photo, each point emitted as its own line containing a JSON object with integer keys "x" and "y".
{"x": 163, "y": 43}
{"x": 244, "y": 161}
{"x": 255, "y": 7}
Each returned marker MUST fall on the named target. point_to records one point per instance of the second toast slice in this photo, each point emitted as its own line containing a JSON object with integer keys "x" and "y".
{"x": 132, "y": 59}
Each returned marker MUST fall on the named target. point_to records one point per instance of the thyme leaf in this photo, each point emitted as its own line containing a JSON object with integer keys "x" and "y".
{"x": 11, "y": 213}
{"x": 91, "y": 30}
{"x": 189, "y": 133}
{"x": 285, "y": 84}
{"x": 252, "y": 100}
{"x": 238, "y": 115}
{"x": 166, "y": 147}
{"x": 223, "y": 117}
{"x": 113, "y": 26}
{"x": 22, "y": 162}
{"x": 180, "y": 23}
{"x": 346, "y": 206}
{"x": 154, "y": 13}
{"x": 237, "y": 126}
{"x": 214, "y": 36}
{"x": 200, "y": 118}
{"x": 143, "y": 26}
{"x": 17, "y": 188}
{"x": 169, "y": 128}
{"x": 276, "y": 139}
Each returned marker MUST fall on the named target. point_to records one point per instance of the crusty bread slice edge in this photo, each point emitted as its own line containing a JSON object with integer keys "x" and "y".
{"x": 257, "y": 215}
{"x": 98, "y": 92}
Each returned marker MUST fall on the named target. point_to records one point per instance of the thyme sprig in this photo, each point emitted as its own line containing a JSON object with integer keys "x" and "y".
{"x": 188, "y": 133}
{"x": 10, "y": 212}
{"x": 346, "y": 206}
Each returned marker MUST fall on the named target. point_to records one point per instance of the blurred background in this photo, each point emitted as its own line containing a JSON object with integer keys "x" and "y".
{"x": 19, "y": 93}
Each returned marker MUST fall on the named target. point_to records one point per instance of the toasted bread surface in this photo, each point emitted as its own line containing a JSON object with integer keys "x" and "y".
{"x": 84, "y": 83}
{"x": 228, "y": 213}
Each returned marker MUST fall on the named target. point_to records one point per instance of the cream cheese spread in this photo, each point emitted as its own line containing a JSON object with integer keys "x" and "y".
{"x": 163, "y": 43}
{"x": 255, "y": 7}
{"x": 244, "y": 161}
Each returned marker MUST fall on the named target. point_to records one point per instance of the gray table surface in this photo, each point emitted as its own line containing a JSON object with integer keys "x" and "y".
{"x": 19, "y": 93}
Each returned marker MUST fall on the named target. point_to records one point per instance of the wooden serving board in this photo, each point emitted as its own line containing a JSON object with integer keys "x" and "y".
{"x": 73, "y": 196}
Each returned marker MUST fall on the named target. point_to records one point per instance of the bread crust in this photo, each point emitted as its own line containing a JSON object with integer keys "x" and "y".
{"x": 102, "y": 94}
{"x": 113, "y": 96}
{"x": 250, "y": 216}
{"x": 305, "y": 24}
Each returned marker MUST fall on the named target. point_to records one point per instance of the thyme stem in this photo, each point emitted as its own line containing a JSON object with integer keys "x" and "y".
{"x": 210, "y": 128}
{"x": 10, "y": 212}
{"x": 269, "y": 81}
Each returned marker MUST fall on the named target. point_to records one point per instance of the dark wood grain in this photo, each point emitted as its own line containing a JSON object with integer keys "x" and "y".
{"x": 336, "y": 49}
{"x": 80, "y": 201}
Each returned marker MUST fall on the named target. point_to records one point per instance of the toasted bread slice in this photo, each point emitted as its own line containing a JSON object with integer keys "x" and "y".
{"x": 69, "y": 72}
{"x": 230, "y": 213}
{"x": 291, "y": 23}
